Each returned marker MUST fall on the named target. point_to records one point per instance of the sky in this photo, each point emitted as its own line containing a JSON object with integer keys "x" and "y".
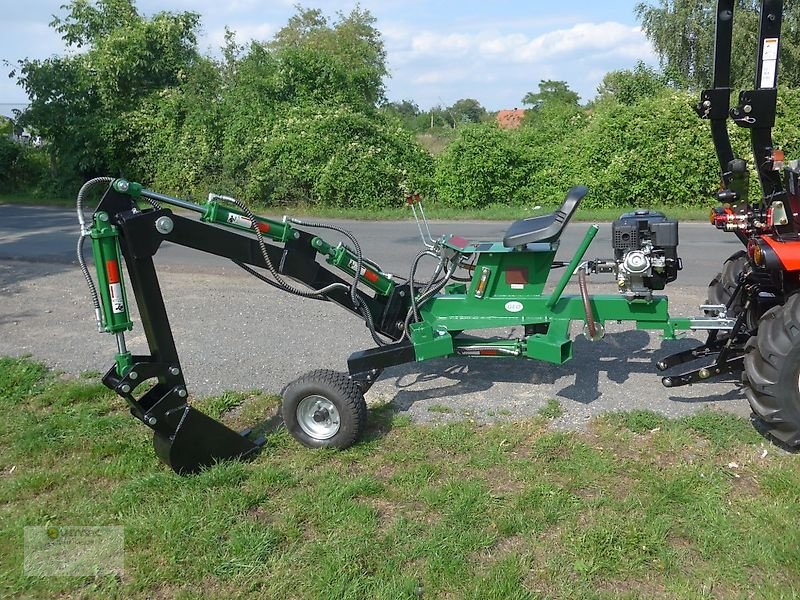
{"x": 437, "y": 51}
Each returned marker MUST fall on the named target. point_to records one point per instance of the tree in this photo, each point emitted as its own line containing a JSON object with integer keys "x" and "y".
{"x": 348, "y": 53}
{"x": 682, "y": 33}
{"x": 628, "y": 86}
{"x": 551, "y": 92}
{"x": 466, "y": 110}
{"x": 404, "y": 108}
{"x": 408, "y": 113}
{"x": 81, "y": 102}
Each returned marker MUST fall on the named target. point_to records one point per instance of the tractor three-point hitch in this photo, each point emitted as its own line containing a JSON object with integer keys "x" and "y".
{"x": 752, "y": 316}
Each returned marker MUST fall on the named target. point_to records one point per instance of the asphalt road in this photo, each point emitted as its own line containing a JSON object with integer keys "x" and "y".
{"x": 234, "y": 332}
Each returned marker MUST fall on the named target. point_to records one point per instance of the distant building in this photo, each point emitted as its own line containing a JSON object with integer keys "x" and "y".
{"x": 510, "y": 119}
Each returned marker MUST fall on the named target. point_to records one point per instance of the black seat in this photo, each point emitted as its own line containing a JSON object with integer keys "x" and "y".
{"x": 546, "y": 228}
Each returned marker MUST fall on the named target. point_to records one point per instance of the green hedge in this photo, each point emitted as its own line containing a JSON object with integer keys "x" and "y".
{"x": 336, "y": 157}
{"x": 653, "y": 152}
{"x": 23, "y": 168}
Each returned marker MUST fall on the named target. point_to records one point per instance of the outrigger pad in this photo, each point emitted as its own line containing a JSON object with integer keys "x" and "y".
{"x": 546, "y": 228}
{"x": 199, "y": 442}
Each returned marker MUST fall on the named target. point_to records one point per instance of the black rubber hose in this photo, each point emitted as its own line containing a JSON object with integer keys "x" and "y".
{"x": 84, "y": 233}
{"x": 587, "y": 305}
{"x": 425, "y": 296}
{"x": 265, "y": 255}
{"x": 412, "y": 275}
{"x": 354, "y": 297}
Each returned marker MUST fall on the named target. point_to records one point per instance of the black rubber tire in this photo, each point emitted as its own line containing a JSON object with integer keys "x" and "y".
{"x": 342, "y": 392}
{"x": 772, "y": 371}
{"x": 724, "y": 283}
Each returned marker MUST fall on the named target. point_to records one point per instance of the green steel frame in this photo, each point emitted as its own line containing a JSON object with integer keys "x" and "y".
{"x": 507, "y": 290}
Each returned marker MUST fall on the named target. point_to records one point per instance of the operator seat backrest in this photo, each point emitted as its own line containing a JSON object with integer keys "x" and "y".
{"x": 546, "y": 228}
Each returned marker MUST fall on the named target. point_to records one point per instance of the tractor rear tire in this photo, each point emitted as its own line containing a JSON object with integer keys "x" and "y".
{"x": 772, "y": 371}
{"x": 324, "y": 409}
{"x": 724, "y": 284}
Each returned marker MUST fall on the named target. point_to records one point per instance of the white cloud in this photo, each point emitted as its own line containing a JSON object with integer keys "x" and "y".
{"x": 454, "y": 44}
{"x": 453, "y": 75}
{"x": 498, "y": 65}
{"x": 608, "y": 37}
{"x": 579, "y": 38}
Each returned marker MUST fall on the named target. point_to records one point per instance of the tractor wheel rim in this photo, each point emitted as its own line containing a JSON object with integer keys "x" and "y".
{"x": 318, "y": 417}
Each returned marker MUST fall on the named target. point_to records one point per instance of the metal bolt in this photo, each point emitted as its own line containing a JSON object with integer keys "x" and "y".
{"x": 182, "y": 393}
{"x": 747, "y": 109}
{"x": 125, "y": 388}
{"x": 704, "y": 373}
{"x": 152, "y": 420}
{"x": 133, "y": 375}
{"x": 122, "y": 185}
{"x": 103, "y": 216}
{"x": 707, "y": 104}
{"x": 402, "y": 293}
{"x": 164, "y": 225}
{"x": 174, "y": 371}
{"x": 296, "y": 235}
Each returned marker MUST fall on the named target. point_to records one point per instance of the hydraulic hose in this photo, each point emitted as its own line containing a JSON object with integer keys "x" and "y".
{"x": 354, "y": 297}
{"x": 412, "y": 275}
{"x": 362, "y": 308}
{"x": 84, "y": 234}
{"x": 591, "y": 326}
{"x": 427, "y": 294}
{"x": 282, "y": 284}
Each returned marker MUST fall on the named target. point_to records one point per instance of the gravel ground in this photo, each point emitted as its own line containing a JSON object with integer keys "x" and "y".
{"x": 233, "y": 332}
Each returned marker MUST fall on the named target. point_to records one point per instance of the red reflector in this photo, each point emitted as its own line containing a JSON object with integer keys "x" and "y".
{"x": 489, "y": 352}
{"x": 112, "y": 269}
{"x": 263, "y": 227}
{"x": 371, "y": 276}
{"x": 458, "y": 242}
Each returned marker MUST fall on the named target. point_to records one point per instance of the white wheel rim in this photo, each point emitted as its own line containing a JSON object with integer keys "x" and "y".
{"x": 318, "y": 417}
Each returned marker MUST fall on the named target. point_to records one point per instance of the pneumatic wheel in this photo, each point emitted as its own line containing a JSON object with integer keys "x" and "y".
{"x": 772, "y": 371}
{"x": 324, "y": 409}
{"x": 724, "y": 284}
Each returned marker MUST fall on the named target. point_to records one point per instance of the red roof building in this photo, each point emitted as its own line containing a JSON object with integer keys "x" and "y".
{"x": 510, "y": 119}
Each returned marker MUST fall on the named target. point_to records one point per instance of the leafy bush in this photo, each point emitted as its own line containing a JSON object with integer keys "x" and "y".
{"x": 23, "y": 168}
{"x": 483, "y": 165}
{"x": 337, "y": 158}
{"x": 9, "y": 155}
{"x": 655, "y": 151}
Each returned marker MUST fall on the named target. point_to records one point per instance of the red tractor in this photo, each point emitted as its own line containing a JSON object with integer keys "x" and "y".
{"x": 758, "y": 285}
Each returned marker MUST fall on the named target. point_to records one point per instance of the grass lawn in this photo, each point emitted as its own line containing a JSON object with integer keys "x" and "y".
{"x": 637, "y": 507}
{"x": 433, "y": 212}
